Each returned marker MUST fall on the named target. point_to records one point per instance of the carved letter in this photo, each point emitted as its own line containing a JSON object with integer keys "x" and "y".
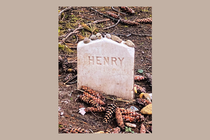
{"x": 121, "y": 60}
{"x": 106, "y": 59}
{"x": 114, "y": 59}
{"x": 98, "y": 60}
{"x": 91, "y": 59}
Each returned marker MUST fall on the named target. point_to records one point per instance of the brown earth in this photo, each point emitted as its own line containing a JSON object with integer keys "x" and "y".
{"x": 68, "y": 104}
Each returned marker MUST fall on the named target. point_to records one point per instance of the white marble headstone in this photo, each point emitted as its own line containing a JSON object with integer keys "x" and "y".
{"x": 106, "y": 66}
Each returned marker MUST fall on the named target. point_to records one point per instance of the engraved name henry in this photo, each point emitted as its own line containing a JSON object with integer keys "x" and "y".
{"x": 102, "y": 60}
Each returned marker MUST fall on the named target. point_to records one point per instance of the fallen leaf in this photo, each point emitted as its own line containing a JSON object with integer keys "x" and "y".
{"x": 140, "y": 70}
{"x": 147, "y": 109}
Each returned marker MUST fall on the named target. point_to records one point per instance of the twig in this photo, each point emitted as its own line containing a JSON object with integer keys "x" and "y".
{"x": 91, "y": 131}
{"x": 103, "y": 20}
{"x": 72, "y": 82}
{"x": 70, "y": 79}
{"x": 94, "y": 114}
{"x": 118, "y": 11}
{"x": 63, "y": 17}
{"x": 59, "y": 15}
{"x": 113, "y": 25}
{"x": 74, "y": 32}
{"x": 150, "y": 122}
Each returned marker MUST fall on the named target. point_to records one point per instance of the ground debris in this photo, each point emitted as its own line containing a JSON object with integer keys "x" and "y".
{"x": 71, "y": 110}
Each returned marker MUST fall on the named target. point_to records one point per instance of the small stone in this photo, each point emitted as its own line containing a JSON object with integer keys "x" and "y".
{"x": 98, "y": 35}
{"x": 93, "y": 37}
{"x": 99, "y": 132}
{"x": 147, "y": 109}
{"x": 108, "y": 36}
{"x": 129, "y": 43}
{"x": 86, "y": 40}
{"x": 116, "y": 38}
{"x": 150, "y": 94}
{"x": 134, "y": 108}
{"x": 130, "y": 125}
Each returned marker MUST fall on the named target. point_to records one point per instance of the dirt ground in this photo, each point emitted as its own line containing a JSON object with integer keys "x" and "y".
{"x": 140, "y": 35}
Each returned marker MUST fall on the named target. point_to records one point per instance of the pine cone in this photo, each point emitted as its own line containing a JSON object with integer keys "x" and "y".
{"x": 144, "y": 20}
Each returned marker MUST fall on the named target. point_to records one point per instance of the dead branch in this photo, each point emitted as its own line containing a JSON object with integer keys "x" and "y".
{"x": 99, "y": 21}
{"x": 112, "y": 25}
{"x": 72, "y": 82}
{"x": 71, "y": 79}
{"x": 59, "y": 15}
{"x": 74, "y": 32}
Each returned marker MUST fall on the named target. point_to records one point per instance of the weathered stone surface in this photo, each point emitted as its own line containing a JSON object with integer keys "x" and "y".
{"x": 106, "y": 66}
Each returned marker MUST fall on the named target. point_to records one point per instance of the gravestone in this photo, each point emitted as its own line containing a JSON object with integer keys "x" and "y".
{"x": 106, "y": 66}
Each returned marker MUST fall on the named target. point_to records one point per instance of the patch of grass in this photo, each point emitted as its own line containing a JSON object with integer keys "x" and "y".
{"x": 65, "y": 49}
{"x": 60, "y": 27}
{"x": 68, "y": 25}
{"x": 102, "y": 10}
{"x": 83, "y": 32}
{"x": 128, "y": 129}
{"x": 60, "y": 32}
{"x": 72, "y": 16}
{"x": 61, "y": 22}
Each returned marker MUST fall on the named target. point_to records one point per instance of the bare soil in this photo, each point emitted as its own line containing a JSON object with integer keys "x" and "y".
{"x": 68, "y": 104}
